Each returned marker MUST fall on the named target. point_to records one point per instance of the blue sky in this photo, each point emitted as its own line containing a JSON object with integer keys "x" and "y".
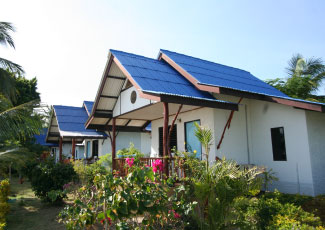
{"x": 65, "y": 43}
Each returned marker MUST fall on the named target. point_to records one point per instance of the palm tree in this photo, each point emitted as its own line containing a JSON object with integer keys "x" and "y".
{"x": 7, "y": 82}
{"x": 16, "y": 122}
{"x": 19, "y": 122}
{"x": 205, "y": 136}
{"x": 305, "y": 76}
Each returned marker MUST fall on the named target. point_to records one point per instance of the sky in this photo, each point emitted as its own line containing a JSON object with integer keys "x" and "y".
{"x": 65, "y": 43}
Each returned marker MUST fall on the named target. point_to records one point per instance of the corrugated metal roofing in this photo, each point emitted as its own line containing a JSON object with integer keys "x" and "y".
{"x": 155, "y": 76}
{"x": 214, "y": 74}
{"x": 41, "y": 139}
{"x": 89, "y": 106}
{"x": 71, "y": 122}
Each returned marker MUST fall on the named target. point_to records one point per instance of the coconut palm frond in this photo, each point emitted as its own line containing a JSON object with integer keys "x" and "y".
{"x": 21, "y": 121}
{"x": 204, "y": 135}
{"x": 5, "y": 37}
{"x": 292, "y": 64}
{"x": 13, "y": 67}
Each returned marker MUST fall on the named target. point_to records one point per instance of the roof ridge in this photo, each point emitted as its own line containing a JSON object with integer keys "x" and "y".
{"x": 131, "y": 54}
{"x": 68, "y": 106}
{"x": 203, "y": 60}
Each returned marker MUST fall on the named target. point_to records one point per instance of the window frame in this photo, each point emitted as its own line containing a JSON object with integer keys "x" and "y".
{"x": 276, "y": 155}
{"x": 185, "y": 138}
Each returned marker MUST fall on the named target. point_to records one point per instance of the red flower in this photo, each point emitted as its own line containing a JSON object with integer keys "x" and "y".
{"x": 109, "y": 220}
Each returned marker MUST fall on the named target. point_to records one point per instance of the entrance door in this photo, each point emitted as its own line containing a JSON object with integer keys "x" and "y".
{"x": 192, "y": 144}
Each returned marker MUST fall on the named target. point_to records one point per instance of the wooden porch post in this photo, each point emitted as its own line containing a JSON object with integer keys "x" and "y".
{"x": 171, "y": 130}
{"x": 60, "y": 149}
{"x": 73, "y": 151}
{"x": 113, "y": 143}
{"x": 165, "y": 137}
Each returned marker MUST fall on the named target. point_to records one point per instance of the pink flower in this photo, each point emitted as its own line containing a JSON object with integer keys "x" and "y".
{"x": 176, "y": 215}
{"x": 129, "y": 161}
{"x": 157, "y": 165}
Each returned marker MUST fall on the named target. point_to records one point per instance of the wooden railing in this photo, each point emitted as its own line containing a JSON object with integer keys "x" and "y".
{"x": 175, "y": 165}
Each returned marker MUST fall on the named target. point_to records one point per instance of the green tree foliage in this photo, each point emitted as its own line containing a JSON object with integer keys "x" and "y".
{"x": 305, "y": 76}
{"x": 25, "y": 90}
{"x": 18, "y": 96}
{"x": 7, "y": 67}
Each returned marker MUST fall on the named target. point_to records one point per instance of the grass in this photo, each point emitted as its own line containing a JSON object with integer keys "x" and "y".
{"x": 28, "y": 212}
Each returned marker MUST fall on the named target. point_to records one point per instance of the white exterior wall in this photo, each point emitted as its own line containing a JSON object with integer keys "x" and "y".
{"x": 248, "y": 141}
{"x": 295, "y": 175}
{"x": 205, "y": 115}
{"x": 124, "y": 99}
{"x": 123, "y": 140}
{"x": 234, "y": 145}
{"x": 316, "y": 135}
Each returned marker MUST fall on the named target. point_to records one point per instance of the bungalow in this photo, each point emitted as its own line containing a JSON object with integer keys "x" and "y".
{"x": 252, "y": 122}
{"x": 68, "y": 131}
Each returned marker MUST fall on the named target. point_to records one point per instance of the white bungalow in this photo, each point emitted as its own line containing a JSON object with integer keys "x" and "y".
{"x": 68, "y": 131}
{"x": 252, "y": 122}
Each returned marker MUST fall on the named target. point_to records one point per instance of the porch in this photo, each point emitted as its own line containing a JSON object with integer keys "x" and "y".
{"x": 175, "y": 166}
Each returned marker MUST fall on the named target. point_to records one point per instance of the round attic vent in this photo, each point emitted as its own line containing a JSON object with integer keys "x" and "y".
{"x": 133, "y": 97}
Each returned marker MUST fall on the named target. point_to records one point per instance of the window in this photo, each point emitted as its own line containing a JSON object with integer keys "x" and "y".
{"x": 278, "y": 144}
{"x": 95, "y": 148}
{"x": 88, "y": 148}
{"x": 173, "y": 139}
{"x": 192, "y": 144}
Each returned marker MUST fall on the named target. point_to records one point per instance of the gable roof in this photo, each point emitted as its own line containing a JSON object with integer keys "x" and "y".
{"x": 88, "y": 106}
{"x": 214, "y": 77}
{"x": 71, "y": 122}
{"x": 156, "y": 77}
{"x": 214, "y": 74}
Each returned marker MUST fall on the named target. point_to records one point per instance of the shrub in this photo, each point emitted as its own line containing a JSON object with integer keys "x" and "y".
{"x": 120, "y": 201}
{"x": 48, "y": 178}
{"x": 129, "y": 152}
{"x": 86, "y": 173}
{"x": 284, "y": 198}
{"x": 4, "y": 206}
{"x": 271, "y": 214}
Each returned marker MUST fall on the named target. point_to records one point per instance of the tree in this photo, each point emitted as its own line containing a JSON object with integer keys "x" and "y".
{"x": 305, "y": 76}
{"x": 18, "y": 118}
{"x": 7, "y": 82}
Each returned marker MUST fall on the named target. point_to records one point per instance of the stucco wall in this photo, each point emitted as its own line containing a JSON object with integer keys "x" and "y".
{"x": 295, "y": 175}
{"x": 205, "y": 115}
{"x": 316, "y": 137}
{"x": 235, "y": 143}
{"x": 124, "y": 99}
{"x": 248, "y": 141}
{"x": 123, "y": 140}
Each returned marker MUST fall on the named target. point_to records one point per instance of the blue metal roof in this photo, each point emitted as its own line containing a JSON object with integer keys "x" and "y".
{"x": 89, "y": 106}
{"x": 213, "y": 74}
{"x": 71, "y": 122}
{"x": 41, "y": 139}
{"x": 154, "y": 76}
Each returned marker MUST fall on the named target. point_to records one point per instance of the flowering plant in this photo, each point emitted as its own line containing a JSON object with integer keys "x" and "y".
{"x": 129, "y": 161}
{"x": 157, "y": 165}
